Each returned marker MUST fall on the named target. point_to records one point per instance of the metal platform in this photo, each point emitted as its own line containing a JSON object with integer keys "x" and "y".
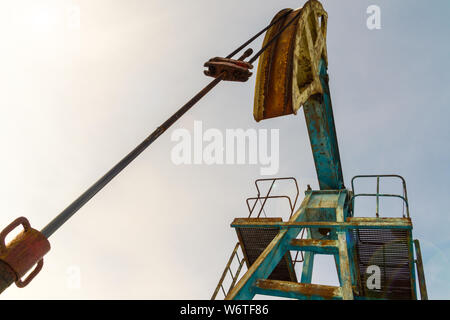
{"x": 254, "y": 241}
{"x": 390, "y": 250}
{"x": 374, "y": 256}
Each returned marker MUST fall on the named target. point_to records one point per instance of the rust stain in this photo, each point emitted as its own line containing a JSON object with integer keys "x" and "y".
{"x": 24, "y": 251}
{"x": 308, "y": 290}
{"x": 314, "y": 242}
{"x": 287, "y": 74}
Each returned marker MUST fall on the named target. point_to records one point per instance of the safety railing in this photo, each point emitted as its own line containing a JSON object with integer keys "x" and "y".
{"x": 263, "y": 199}
{"x": 379, "y": 195}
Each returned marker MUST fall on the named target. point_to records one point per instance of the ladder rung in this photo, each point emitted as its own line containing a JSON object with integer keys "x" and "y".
{"x": 313, "y": 245}
{"x": 297, "y": 290}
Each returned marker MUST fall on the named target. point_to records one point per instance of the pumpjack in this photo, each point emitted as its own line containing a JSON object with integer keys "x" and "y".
{"x": 291, "y": 73}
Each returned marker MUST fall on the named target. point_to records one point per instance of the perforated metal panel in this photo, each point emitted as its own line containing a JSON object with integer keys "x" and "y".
{"x": 255, "y": 240}
{"x": 389, "y": 249}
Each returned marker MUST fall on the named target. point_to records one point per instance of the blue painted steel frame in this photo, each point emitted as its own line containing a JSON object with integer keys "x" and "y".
{"x": 345, "y": 261}
{"x": 271, "y": 256}
{"x": 322, "y": 134}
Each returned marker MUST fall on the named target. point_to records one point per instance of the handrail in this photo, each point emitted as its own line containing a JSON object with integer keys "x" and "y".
{"x": 381, "y": 195}
{"x": 378, "y": 194}
{"x": 268, "y": 196}
{"x": 379, "y": 175}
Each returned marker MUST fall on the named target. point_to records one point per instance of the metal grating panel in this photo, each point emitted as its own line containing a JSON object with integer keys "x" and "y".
{"x": 255, "y": 240}
{"x": 389, "y": 249}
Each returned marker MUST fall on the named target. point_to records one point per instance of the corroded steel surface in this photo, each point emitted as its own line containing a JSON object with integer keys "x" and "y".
{"x": 24, "y": 251}
{"x": 287, "y": 72}
{"x": 385, "y": 223}
{"x": 7, "y": 276}
{"x": 343, "y": 267}
{"x": 234, "y": 70}
{"x": 298, "y": 290}
{"x": 315, "y": 246}
{"x": 318, "y": 111}
{"x": 273, "y": 91}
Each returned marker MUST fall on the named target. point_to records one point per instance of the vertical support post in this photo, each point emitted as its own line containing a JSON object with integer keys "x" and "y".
{"x": 343, "y": 261}
{"x": 352, "y": 259}
{"x": 378, "y": 197}
{"x": 420, "y": 272}
{"x": 412, "y": 266}
{"x": 344, "y": 267}
{"x": 308, "y": 264}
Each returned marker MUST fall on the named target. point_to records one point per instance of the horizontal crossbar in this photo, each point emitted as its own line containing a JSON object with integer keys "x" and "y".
{"x": 352, "y": 223}
{"x": 316, "y": 246}
{"x": 295, "y": 290}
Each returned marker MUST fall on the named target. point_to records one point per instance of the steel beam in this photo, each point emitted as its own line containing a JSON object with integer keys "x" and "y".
{"x": 308, "y": 264}
{"x": 301, "y": 291}
{"x": 316, "y": 246}
{"x": 322, "y": 135}
{"x": 350, "y": 224}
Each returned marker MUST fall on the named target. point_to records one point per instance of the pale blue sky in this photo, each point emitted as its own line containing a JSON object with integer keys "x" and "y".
{"x": 75, "y": 101}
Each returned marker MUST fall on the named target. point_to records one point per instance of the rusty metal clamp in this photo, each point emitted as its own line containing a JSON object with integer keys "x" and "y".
{"x": 234, "y": 70}
{"x": 24, "y": 251}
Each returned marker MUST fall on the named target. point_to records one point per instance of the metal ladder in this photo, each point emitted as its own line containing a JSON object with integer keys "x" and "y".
{"x": 234, "y": 276}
